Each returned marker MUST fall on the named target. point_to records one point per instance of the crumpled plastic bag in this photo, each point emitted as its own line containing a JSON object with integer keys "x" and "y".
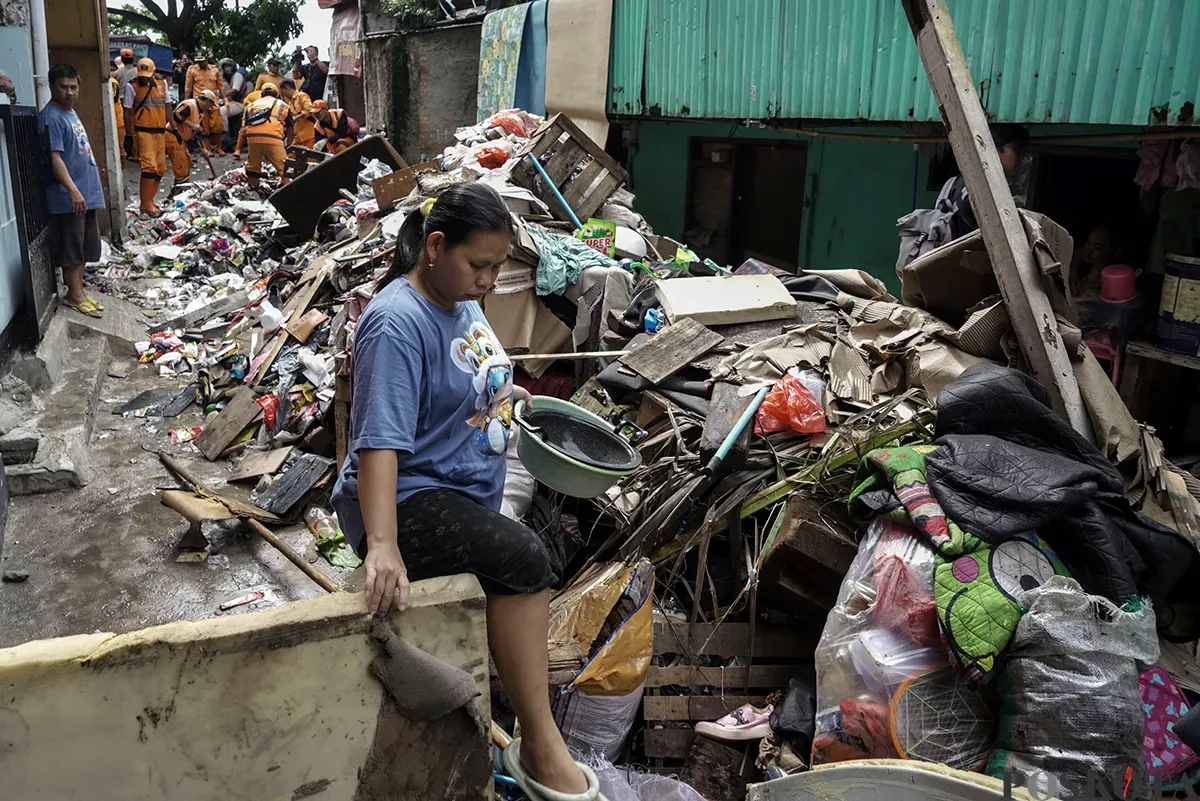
{"x": 789, "y": 406}
{"x": 626, "y": 784}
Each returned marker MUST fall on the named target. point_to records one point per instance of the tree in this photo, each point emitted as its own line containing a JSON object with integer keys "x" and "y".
{"x": 119, "y": 26}
{"x": 251, "y": 33}
{"x": 181, "y": 23}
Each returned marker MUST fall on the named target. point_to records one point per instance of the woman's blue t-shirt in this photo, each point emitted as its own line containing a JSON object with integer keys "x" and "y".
{"x": 433, "y": 385}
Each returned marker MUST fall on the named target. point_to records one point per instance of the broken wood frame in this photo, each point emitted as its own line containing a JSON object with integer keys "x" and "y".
{"x": 991, "y": 199}
{"x": 716, "y": 691}
{"x": 580, "y": 170}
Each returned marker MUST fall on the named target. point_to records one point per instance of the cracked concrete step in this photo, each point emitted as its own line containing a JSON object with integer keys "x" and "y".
{"x": 49, "y": 452}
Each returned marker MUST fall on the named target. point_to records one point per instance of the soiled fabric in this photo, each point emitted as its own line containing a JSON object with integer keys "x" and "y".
{"x": 1008, "y": 464}
{"x": 562, "y": 259}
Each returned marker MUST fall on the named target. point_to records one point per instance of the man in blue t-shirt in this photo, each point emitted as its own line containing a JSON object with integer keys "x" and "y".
{"x": 73, "y": 190}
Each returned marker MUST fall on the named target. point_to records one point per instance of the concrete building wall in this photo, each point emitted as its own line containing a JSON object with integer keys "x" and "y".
{"x": 436, "y": 83}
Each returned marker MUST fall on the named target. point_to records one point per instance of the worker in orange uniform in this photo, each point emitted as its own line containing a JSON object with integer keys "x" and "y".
{"x": 200, "y": 76}
{"x": 336, "y": 127}
{"x": 185, "y": 126}
{"x": 302, "y": 114}
{"x": 241, "y": 137}
{"x": 146, "y": 121}
{"x": 268, "y": 124}
{"x": 118, "y": 104}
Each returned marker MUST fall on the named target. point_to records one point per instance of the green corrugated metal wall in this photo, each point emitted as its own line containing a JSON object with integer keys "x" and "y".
{"x": 1128, "y": 62}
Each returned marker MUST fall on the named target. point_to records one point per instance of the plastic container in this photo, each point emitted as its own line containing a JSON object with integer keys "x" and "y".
{"x": 557, "y": 470}
{"x": 1179, "y": 310}
{"x": 321, "y": 523}
{"x": 1118, "y": 283}
{"x": 895, "y": 780}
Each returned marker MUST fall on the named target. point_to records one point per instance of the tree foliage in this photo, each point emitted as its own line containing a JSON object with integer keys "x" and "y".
{"x": 249, "y": 34}
{"x": 246, "y": 34}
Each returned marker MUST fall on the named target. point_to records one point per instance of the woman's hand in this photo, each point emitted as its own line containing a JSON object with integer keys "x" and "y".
{"x": 387, "y": 580}
{"x": 521, "y": 394}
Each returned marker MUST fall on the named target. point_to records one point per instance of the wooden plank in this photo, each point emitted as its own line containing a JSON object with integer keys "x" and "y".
{"x": 767, "y": 677}
{"x": 260, "y": 463}
{"x": 991, "y": 199}
{"x": 730, "y": 639}
{"x": 671, "y": 350}
{"x": 818, "y": 533}
{"x": 578, "y": 186}
{"x": 724, "y": 409}
{"x": 1148, "y": 351}
{"x": 218, "y": 307}
{"x": 694, "y": 707}
{"x": 241, "y": 411}
{"x": 723, "y": 301}
{"x": 563, "y": 162}
{"x": 287, "y": 491}
{"x": 668, "y": 743}
{"x": 594, "y": 150}
{"x": 720, "y": 771}
{"x": 603, "y": 190}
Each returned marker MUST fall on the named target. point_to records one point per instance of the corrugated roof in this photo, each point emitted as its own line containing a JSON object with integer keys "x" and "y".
{"x": 1132, "y": 62}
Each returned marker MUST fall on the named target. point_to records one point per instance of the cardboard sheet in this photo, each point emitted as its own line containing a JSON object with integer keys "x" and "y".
{"x": 577, "y": 44}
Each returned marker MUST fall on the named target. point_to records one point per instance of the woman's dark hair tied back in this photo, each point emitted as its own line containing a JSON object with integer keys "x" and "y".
{"x": 459, "y": 212}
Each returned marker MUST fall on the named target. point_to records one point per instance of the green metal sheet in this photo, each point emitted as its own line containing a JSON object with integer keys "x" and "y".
{"x": 1129, "y": 62}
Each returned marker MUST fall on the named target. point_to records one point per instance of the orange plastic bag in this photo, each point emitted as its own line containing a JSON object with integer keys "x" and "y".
{"x": 789, "y": 406}
{"x": 491, "y": 157}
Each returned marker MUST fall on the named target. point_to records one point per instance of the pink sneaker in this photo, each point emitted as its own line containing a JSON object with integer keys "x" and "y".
{"x": 744, "y": 723}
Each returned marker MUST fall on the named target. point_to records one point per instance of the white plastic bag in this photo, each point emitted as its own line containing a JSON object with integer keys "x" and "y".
{"x": 626, "y": 784}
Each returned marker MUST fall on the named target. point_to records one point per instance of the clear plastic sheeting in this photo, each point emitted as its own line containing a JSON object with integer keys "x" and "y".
{"x": 1072, "y": 706}
{"x": 884, "y": 690}
{"x": 627, "y": 784}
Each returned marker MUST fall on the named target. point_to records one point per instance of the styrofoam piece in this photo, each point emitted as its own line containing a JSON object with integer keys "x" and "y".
{"x": 886, "y": 780}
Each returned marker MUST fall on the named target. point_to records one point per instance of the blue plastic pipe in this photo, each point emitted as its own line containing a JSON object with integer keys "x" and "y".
{"x": 542, "y": 171}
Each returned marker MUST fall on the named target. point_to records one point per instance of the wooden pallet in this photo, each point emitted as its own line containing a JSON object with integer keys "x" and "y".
{"x": 670, "y": 719}
{"x": 584, "y": 174}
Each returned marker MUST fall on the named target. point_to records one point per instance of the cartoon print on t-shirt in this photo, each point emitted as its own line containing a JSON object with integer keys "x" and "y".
{"x": 85, "y": 146}
{"x": 478, "y": 353}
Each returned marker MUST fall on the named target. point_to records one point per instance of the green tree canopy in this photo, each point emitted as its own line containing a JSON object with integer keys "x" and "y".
{"x": 247, "y": 34}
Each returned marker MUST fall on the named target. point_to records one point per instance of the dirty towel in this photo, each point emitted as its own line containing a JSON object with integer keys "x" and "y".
{"x": 562, "y": 259}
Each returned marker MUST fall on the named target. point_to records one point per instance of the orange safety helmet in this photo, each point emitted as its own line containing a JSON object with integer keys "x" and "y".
{"x": 319, "y": 105}
{"x": 145, "y": 68}
{"x": 270, "y": 89}
{"x": 126, "y": 53}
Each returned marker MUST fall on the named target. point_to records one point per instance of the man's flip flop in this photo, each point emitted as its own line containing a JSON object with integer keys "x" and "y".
{"x": 539, "y": 792}
{"x": 87, "y": 307}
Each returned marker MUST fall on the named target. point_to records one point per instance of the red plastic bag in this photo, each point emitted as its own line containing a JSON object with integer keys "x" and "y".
{"x": 789, "y": 406}
{"x": 491, "y": 157}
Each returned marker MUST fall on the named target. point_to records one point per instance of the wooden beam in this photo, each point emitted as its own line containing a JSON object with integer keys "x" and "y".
{"x": 992, "y": 201}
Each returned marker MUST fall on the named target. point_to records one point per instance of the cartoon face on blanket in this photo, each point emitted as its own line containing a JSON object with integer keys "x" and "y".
{"x": 977, "y": 586}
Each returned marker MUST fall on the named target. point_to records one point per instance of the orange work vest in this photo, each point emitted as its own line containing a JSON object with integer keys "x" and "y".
{"x": 118, "y": 109}
{"x": 301, "y": 106}
{"x": 188, "y": 112}
{"x": 330, "y": 132}
{"x": 149, "y": 106}
{"x": 272, "y": 129}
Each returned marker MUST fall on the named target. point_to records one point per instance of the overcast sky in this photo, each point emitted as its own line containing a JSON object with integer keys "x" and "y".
{"x": 316, "y": 28}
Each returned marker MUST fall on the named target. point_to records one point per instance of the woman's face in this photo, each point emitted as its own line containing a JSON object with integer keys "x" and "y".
{"x": 468, "y": 270}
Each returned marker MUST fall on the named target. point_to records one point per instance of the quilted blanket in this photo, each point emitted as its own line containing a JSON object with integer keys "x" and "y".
{"x": 1007, "y": 465}
{"x": 976, "y": 585}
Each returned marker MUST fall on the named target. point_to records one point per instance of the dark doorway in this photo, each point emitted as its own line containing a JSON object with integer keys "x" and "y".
{"x": 746, "y": 200}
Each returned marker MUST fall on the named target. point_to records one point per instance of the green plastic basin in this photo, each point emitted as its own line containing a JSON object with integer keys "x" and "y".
{"x": 555, "y": 469}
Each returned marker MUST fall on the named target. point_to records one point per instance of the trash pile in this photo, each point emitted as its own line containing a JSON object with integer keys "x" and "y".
{"x": 716, "y": 583}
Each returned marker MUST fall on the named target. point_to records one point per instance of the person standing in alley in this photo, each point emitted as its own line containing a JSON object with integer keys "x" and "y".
{"x": 200, "y": 76}
{"x": 336, "y": 127}
{"x": 315, "y": 72}
{"x": 125, "y": 73}
{"x": 146, "y": 122}
{"x": 234, "y": 91}
{"x": 268, "y": 124}
{"x": 73, "y": 192}
{"x": 302, "y": 113}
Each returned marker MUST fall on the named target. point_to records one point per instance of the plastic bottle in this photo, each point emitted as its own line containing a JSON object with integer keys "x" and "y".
{"x": 654, "y": 320}
{"x": 321, "y": 523}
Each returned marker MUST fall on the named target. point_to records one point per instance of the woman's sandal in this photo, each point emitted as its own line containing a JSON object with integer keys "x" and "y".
{"x": 87, "y": 306}
{"x": 96, "y": 303}
{"x": 539, "y": 792}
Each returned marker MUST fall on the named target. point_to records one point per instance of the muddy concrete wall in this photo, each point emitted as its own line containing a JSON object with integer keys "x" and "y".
{"x": 267, "y": 705}
{"x": 422, "y": 86}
